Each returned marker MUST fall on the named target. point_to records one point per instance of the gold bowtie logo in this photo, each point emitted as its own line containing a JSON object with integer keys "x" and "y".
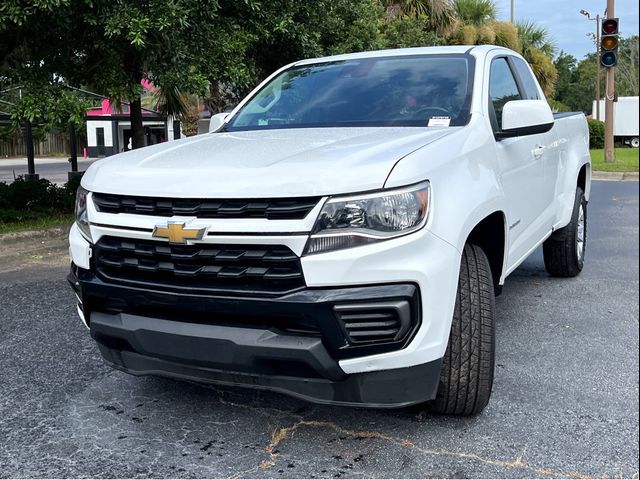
{"x": 177, "y": 233}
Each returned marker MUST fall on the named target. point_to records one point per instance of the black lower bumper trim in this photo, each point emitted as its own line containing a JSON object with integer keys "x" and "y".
{"x": 380, "y": 389}
{"x": 251, "y": 350}
{"x": 318, "y": 312}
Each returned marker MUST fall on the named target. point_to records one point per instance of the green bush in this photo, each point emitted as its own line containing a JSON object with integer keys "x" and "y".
{"x": 596, "y": 133}
{"x": 24, "y": 200}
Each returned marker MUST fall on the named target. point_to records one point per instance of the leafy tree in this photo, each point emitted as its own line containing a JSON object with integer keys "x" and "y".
{"x": 475, "y": 12}
{"x": 627, "y": 75}
{"x": 110, "y": 45}
{"x": 576, "y": 80}
{"x": 532, "y": 36}
{"x": 436, "y": 15}
{"x": 407, "y": 31}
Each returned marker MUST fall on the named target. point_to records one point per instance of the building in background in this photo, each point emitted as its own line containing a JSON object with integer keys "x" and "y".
{"x": 109, "y": 129}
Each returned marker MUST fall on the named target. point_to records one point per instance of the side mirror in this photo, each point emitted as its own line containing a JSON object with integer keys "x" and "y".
{"x": 525, "y": 117}
{"x": 217, "y": 121}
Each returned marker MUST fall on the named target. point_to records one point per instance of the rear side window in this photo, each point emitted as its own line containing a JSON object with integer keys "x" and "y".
{"x": 502, "y": 86}
{"x": 526, "y": 78}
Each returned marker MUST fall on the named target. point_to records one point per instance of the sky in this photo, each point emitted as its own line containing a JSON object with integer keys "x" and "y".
{"x": 566, "y": 26}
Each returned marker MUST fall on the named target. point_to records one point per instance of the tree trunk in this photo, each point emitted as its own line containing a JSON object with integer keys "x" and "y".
{"x": 137, "y": 130}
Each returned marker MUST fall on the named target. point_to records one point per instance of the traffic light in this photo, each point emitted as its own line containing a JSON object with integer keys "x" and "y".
{"x": 609, "y": 43}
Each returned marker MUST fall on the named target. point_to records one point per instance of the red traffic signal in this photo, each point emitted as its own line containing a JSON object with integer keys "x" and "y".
{"x": 610, "y": 26}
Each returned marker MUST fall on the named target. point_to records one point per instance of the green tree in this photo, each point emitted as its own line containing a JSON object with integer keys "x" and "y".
{"x": 436, "y": 15}
{"x": 110, "y": 45}
{"x": 533, "y": 36}
{"x": 475, "y": 12}
{"x": 627, "y": 75}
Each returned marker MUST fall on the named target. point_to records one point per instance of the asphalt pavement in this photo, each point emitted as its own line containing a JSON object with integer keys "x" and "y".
{"x": 564, "y": 404}
{"x": 54, "y": 169}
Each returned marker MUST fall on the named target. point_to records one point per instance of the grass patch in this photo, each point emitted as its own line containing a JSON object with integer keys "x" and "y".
{"x": 61, "y": 220}
{"x": 626, "y": 160}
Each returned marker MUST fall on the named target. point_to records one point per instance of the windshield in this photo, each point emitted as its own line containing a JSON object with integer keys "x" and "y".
{"x": 419, "y": 90}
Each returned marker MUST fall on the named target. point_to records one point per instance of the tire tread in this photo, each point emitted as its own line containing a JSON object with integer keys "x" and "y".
{"x": 559, "y": 250}
{"x": 467, "y": 372}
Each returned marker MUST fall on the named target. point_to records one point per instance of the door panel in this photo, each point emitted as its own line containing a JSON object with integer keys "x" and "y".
{"x": 522, "y": 164}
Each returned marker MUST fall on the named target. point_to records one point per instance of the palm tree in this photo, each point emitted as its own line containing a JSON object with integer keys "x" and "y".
{"x": 533, "y": 36}
{"x": 475, "y": 12}
{"x": 439, "y": 14}
{"x": 538, "y": 48}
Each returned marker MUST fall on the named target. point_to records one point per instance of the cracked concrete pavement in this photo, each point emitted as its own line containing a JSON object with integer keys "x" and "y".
{"x": 565, "y": 399}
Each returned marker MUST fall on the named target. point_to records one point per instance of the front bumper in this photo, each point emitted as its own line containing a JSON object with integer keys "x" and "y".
{"x": 419, "y": 266}
{"x": 289, "y": 344}
{"x": 191, "y": 347}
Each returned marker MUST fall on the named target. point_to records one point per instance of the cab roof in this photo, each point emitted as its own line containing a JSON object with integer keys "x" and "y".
{"x": 477, "y": 50}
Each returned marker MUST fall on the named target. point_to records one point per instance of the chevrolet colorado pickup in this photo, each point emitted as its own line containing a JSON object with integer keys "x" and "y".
{"x": 341, "y": 234}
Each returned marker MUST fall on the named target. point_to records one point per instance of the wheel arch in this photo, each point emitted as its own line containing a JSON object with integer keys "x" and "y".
{"x": 584, "y": 179}
{"x": 490, "y": 234}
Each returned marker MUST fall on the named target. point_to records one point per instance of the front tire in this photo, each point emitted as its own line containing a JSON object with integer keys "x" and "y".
{"x": 564, "y": 250}
{"x": 466, "y": 377}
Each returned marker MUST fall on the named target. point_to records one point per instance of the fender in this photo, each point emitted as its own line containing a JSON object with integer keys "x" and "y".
{"x": 574, "y": 155}
{"x": 451, "y": 172}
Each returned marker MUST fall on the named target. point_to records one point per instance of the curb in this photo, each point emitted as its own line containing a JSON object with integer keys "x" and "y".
{"x": 615, "y": 176}
{"x": 28, "y": 234}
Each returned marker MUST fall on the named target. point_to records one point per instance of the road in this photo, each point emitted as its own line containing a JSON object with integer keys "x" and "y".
{"x": 564, "y": 404}
{"x": 53, "y": 169}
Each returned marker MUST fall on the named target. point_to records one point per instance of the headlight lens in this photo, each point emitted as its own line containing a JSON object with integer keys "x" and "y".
{"x": 82, "y": 219}
{"x": 346, "y": 222}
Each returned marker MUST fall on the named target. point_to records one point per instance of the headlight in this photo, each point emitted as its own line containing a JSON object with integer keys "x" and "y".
{"x": 82, "y": 219}
{"x": 346, "y": 222}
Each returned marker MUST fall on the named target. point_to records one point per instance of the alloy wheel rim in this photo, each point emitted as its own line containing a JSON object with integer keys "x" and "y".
{"x": 580, "y": 234}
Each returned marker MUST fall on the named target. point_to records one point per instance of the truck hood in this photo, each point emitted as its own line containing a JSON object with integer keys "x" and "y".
{"x": 262, "y": 164}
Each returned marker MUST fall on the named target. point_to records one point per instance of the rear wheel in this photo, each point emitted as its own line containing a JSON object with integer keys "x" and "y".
{"x": 564, "y": 250}
{"x": 635, "y": 142}
{"x": 466, "y": 378}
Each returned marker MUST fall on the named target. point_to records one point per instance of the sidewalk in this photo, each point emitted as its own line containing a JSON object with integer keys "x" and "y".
{"x": 615, "y": 176}
{"x": 22, "y": 161}
{"x": 54, "y": 169}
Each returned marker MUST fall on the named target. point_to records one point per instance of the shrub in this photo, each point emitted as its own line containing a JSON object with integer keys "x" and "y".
{"x": 30, "y": 200}
{"x": 596, "y": 133}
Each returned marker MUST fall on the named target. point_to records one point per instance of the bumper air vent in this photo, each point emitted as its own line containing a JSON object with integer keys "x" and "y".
{"x": 379, "y": 322}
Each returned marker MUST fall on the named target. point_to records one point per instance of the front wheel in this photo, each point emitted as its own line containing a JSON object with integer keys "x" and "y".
{"x": 466, "y": 377}
{"x": 564, "y": 250}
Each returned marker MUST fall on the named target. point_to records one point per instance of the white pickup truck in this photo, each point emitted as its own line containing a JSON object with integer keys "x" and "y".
{"x": 341, "y": 234}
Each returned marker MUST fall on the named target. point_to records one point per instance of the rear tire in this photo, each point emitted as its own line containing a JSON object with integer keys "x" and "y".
{"x": 564, "y": 250}
{"x": 466, "y": 377}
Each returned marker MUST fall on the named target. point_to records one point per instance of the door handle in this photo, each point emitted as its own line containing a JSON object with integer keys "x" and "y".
{"x": 538, "y": 151}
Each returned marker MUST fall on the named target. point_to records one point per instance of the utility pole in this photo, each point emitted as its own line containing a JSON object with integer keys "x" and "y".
{"x": 610, "y": 89}
{"x": 598, "y": 59}
{"x": 513, "y": 12}
{"x": 598, "y": 67}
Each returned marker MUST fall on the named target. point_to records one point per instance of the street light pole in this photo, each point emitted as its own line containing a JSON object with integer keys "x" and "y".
{"x": 513, "y": 11}
{"x": 597, "y": 39}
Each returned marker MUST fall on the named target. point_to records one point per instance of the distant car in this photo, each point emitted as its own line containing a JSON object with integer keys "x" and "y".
{"x": 341, "y": 234}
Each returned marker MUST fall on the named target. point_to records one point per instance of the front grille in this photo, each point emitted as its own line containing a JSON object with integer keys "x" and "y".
{"x": 377, "y": 322}
{"x": 270, "y": 208}
{"x": 257, "y": 269}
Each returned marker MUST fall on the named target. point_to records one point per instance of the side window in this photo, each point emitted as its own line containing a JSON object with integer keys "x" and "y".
{"x": 526, "y": 77}
{"x": 502, "y": 86}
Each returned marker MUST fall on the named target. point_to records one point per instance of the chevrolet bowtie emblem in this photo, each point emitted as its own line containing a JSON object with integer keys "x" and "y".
{"x": 177, "y": 233}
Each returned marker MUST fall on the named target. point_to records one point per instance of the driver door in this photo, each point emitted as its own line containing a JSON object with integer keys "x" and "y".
{"x": 521, "y": 162}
